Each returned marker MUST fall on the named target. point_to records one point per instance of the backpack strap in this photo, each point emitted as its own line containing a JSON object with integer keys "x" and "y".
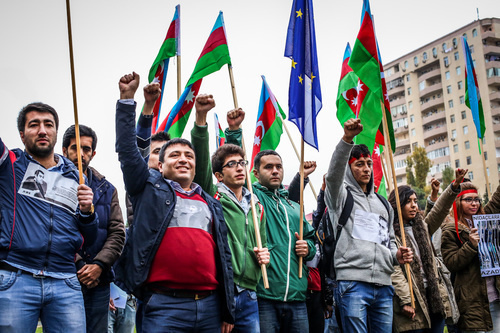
{"x": 385, "y": 202}
{"x": 346, "y": 212}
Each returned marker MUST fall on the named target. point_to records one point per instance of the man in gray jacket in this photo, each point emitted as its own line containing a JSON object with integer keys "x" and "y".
{"x": 366, "y": 250}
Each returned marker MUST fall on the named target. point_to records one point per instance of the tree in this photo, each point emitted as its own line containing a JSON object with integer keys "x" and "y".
{"x": 448, "y": 176}
{"x": 418, "y": 165}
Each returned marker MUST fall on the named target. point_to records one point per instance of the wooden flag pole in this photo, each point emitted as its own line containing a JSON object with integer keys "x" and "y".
{"x": 249, "y": 183}
{"x": 296, "y": 151}
{"x": 385, "y": 173}
{"x": 178, "y": 77}
{"x": 486, "y": 178}
{"x": 398, "y": 205}
{"x": 73, "y": 86}
{"x": 301, "y": 218}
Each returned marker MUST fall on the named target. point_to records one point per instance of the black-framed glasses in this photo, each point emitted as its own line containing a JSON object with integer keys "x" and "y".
{"x": 232, "y": 164}
{"x": 471, "y": 200}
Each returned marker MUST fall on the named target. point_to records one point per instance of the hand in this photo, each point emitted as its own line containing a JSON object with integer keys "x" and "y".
{"x": 203, "y": 104}
{"x": 301, "y": 247}
{"x": 151, "y": 93}
{"x": 404, "y": 255}
{"x": 226, "y": 327}
{"x": 459, "y": 177}
{"x": 328, "y": 311}
{"x": 112, "y": 306}
{"x": 434, "y": 189}
{"x": 309, "y": 167}
{"x": 352, "y": 127}
{"x": 262, "y": 255}
{"x": 409, "y": 311}
{"x": 474, "y": 238}
{"x": 128, "y": 85}
{"x": 89, "y": 275}
{"x": 85, "y": 197}
{"x": 234, "y": 118}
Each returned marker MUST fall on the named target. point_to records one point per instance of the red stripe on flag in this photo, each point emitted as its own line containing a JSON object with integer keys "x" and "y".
{"x": 345, "y": 68}
{"x": 171, "y": 31}
{"x": 366, "y": 37}
{"x": 216, "y": 38}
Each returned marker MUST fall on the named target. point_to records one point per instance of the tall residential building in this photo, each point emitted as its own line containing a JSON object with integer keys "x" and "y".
{"x": 426, "y": 89}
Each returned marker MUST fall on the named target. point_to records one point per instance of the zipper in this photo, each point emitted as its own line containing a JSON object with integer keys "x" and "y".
{"x": 289, "y": 250}
{"x": 245, "y": 250}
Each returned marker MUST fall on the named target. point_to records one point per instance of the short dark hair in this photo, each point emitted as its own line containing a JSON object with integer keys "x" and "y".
{"x": 38, "y": 171}
{"x": 175, "y": 141}
{"x": 84, "y": 131}
{"x": 222, "y": 153}
{"x": 260, "y": 154}
{"x": 160, "y": 136}
{"x": 39, "y": 107}
{"x": 359, "y": 151}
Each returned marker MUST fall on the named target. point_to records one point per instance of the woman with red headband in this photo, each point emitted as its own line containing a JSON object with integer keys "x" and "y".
{"x": 432, "y": 305}
{"x": 477, "y": 297}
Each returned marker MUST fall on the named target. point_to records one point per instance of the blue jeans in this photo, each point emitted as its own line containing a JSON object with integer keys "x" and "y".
{"x": 364, "y": 306}
{"x": 331, "y": 325}
{"x": 276, "y": 316}
{"x": 25, "y": 298}
{"x": 96, "y": 301}
{"x": 164, "y": 313}
{"x": 122, "y": 320}
{"x": 247, "y": 312}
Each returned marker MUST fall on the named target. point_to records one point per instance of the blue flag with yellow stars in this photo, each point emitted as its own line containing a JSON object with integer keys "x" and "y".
{"x": 304, "y": 95}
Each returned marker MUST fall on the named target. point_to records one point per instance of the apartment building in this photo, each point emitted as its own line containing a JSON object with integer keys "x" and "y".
{"x": 426, "y": 90}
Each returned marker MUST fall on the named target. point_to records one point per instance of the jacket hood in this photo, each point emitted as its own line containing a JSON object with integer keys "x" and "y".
{"x": 225, "y": 190}
{"x": 353, "y": 184}
{"x": 281, "y": 191}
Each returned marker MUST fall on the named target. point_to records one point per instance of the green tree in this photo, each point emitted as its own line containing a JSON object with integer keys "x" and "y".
{"x": 418, "y": 165}
{"x": 410, "y": 177}
{"x": 448, "y": 176}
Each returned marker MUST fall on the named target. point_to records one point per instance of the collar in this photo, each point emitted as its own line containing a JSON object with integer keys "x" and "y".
{"x": 195, "y": 188}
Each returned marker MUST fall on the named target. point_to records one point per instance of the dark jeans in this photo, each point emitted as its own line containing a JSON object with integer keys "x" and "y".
{"x": 96, "y": 301}
{"x": 315, "y": 312}
{"x": 164, "y": 313}
{"x": 278, "y": 316}
{"x": 247, "y": 312}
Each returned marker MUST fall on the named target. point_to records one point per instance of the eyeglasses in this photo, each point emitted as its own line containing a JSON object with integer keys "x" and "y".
{"x": 471, "y": 200}
{"x": 232, "y": 164}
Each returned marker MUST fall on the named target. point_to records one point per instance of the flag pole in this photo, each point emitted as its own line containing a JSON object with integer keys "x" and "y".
{"x": 486, "y": 178}
{"x": 385, "y": 172}
{"x": 73, "y": 86}
{"x": 301, "y": 218}
{"x": 398, "y": 205}
{"x": 250, "y": 188}
{"x": 179, "y": 88}
{"x": 295, "y": 149}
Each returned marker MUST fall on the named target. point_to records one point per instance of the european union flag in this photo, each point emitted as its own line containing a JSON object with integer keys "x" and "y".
{"x": 304, "y": 95}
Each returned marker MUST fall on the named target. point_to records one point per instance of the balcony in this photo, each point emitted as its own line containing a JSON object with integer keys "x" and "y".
{"x": 432, "y": 104}
{"x": 430, "y": 75}
{"x": 431, "y": 89}
{"x": 491, "y": 49}
{"x": 401, "y": 130}
{"x": 396, "y": 90}
{"x": 492, "y": 64}
{"x": 495, "y": 96}
{"x": 441, "y": 159}
{"x": 441, "y": 130}
{"x": 497, "y": 143}
{"x": 496, "y": 127}
{"x": 490, "y": 35}
{"x": 403, "y": 143}
{"x": 495, "y": 110}
{"x": 494, "y": 81}
{"x": 437, "y": 145}
{"x": 433, "y": 117}
{"x": 400, "y": 172}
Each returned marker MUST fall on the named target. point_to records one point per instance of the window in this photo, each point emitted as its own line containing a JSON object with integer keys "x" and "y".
{"x": 456, "y": 55}
{"x": 457, "y": 163}
{"x": 410, "y": 105}
{"x": 471, "y": 175}
{"x": 463, "y": 114}
{"x": 467, "y": 144}
{"x": 412, "y": 118}
{"x": 455, "y": 43}
{"x": 408, "y": 78}
{"x": 459, "y": 70}
{"x": 406, "y": 64}
{"x": 462, "y": 99}
{"x": 445, "y": 151}
{"x": 454, "y": 133}
{"x": 444, "y": 47}
{"x": 421, "y": 85}
{"x": 471, "y": 49}
{"x": 469, "y": 161}
{"x": 409, "y": 91}
{"x": 448, "y": 89}
{"x": 452, "y": 118}
{"x": 465, "y": 36}
{"x": 446, "y": 61}
{"x": 485, "y": 156}
{"x": 413, "y": 132}
{"x": 474, "y": 33}
{"x": 460, "y": 85}
{"x": 455, "y": 148}
{"x": 450, "y": 103}
{"x": 447, "y": 75}
{"x": 466, "y": 129}
{"x": 434, "y": 52}
{"x": 424, "y": 56}
{"x": 415, "y": 61}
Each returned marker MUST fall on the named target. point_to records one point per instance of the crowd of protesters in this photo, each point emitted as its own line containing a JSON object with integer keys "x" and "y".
{"x": 198, "y": 253}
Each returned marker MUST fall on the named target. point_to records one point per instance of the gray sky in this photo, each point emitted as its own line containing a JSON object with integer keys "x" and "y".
{"x": 114, "y": 37}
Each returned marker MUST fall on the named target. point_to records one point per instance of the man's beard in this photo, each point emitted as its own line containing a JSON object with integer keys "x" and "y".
{"x": 38, "y": 151}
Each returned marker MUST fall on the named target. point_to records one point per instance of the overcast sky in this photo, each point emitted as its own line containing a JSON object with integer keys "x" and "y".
{"x": 114, "y": 37}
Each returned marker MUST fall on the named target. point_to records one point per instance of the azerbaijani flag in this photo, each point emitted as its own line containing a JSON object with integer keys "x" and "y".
{"x": 269, "y": 126}
{"x": 220, "y": 136}
{"x": 158, "y": 71}
{"x": 215, "y": 54}
{"x": 378, "y": 172}
{"x": 472, "y": 95}
{"x": 366, "y": 64}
